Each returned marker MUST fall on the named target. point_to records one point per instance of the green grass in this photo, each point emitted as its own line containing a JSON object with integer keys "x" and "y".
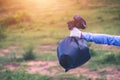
{"x": 42, "y": 32}
{"x": 103, "y": 58}
{"x": 36, "y": 25}
{"x": 18, "y": 75}
{"x": 47, "y": 56}
{"x": 29, "y": 54}
{"x": 3, "y": 61}
{"x": 21, "y": 75}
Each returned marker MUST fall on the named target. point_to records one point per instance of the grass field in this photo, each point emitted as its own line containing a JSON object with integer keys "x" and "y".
{"x": 35, "y": 27}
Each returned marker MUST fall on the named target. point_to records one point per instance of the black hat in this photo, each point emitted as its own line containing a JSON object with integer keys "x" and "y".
{"x": 72, "y": 52}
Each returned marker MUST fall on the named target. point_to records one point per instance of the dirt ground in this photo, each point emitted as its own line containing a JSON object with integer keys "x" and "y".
{"x": 52, "y": 68}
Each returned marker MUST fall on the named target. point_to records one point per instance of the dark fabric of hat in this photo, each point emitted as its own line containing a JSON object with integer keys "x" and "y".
{"x": 72, "y": 52}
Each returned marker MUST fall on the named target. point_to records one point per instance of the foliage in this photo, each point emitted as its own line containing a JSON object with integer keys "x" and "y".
{"x": 29, "y": 54}
{"x": 92, "y": 52}
{"x": 49, "y": 27}
{"x": 47, "y": 56}
{"x": 21, "y": 75}
{"x": 112, "y": 59}
{"x": 102, "y": 58}
{"x": 15, "y": 19}
{"x": 2, "y": 34}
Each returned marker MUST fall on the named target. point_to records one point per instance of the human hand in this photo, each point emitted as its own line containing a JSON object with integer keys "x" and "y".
{"x": 75, "y": 32}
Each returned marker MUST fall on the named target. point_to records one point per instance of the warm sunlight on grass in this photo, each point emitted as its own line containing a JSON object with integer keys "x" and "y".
{"x": 37, "y": 5}
{"x": 40, "y": 3}
{"x": 47, "y": 8}
{"x": 35, "y": 27}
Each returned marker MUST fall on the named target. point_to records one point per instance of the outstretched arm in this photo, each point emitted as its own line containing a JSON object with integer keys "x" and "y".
{"x": 78, "y": 22}
{"x": 96, "y": 38}
{"x": 101, "y": 38}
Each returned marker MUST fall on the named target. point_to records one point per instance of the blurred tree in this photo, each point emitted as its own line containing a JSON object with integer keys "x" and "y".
{"x": 2, "y": 33}
{"x": 3, "y": 2}
{"x": 6, "y": 2}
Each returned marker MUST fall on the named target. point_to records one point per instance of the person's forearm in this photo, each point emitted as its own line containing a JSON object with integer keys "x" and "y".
{"x": 101, "y": 38}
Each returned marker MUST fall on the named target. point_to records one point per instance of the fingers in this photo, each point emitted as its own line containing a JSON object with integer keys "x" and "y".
{"x": 75, "y": 32}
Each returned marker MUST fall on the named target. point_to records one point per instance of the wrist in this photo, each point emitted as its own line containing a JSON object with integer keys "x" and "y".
{"x": 75, "y": 32}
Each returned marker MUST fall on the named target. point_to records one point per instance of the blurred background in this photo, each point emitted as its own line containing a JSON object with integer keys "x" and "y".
{"x": 31, "y": 29}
